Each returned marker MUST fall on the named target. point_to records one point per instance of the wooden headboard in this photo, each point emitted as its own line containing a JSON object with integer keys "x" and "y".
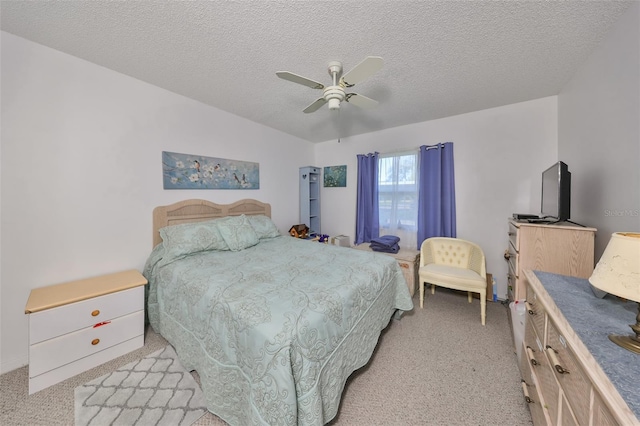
{"x": 198, "y": 210}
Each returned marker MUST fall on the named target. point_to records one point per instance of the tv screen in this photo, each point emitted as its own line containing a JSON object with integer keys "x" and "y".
{"x": 556, "y": 192}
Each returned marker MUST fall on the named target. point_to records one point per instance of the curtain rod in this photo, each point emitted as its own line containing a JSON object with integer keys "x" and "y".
{"x": 440, "y": 145}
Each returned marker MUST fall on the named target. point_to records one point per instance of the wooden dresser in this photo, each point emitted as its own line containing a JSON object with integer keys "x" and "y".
{"x": 561, "y": 249}
{"x": 81, "y": 324}
{"x": 572, "y": 373}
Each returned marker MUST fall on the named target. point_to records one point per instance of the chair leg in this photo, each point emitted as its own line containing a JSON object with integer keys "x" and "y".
{"x": 483, "y": 307}
{"x": 421, "y": 294}
{"x": 433, "y": 289}
{"x": 469, "y": 296}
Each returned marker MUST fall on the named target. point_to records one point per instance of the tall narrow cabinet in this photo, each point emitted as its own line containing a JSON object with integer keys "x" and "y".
{"x": 563, "y": 249}
{"x": 310, "y": 198}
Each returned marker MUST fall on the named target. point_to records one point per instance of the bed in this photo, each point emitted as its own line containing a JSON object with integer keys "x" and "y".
{"x": 275, "y": 327}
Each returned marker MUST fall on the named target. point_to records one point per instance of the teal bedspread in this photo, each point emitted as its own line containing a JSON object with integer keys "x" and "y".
{"x": 274, "y": 330}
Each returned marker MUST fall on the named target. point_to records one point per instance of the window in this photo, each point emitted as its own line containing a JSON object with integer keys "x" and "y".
{"x": 398, "y": 196}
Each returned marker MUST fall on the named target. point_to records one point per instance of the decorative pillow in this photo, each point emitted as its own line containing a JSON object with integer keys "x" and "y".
{"x": 181, "y": 240}
{"x": 264, "y": 226}
{"x": 237, "y": 232}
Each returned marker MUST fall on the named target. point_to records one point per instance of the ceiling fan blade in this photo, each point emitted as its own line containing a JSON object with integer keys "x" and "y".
{"x": 360, "y": 101}
{"x": 362, "y": 71}
{"x": 286, "y": 75}
{"x": 315, "y": 106}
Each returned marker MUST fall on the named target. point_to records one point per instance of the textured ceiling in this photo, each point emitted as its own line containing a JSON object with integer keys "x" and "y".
{"x": 442, "y": 58}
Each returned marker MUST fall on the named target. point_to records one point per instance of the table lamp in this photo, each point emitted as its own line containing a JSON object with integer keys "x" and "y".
{"x": 618, "y": 273}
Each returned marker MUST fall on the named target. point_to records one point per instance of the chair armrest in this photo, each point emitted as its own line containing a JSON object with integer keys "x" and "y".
{"x": 426, "y": 254}
{"x": 477, "y": 261}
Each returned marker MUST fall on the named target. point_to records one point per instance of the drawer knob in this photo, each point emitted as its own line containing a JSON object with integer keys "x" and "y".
{"x": 95, "y": 313}
{"x": 532, "y": 359}
{"x": 95, "y": 342}
{"x": 554, "y": 360}
{"x": 526, "y": 392}
{"x": 530, "y": 308}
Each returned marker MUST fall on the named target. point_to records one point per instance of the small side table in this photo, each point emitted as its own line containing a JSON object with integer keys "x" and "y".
{"x": 408, "y": 260}
{"x": 79, "y": 325}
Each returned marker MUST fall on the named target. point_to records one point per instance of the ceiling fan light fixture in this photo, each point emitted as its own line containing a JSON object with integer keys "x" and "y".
{"x": 334, "y": 95}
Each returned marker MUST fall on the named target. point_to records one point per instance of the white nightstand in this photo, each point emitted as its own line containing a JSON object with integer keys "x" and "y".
{"x": 79, "y": 325}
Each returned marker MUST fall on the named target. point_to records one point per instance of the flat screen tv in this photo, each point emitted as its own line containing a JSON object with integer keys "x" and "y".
{"x": 556, "y": 193}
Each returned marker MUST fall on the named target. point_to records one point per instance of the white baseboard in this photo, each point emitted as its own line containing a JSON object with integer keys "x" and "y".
{"x": 7, "y": 365}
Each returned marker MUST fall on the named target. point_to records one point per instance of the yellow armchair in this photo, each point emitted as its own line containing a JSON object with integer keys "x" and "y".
{"x": 453, "y": 263}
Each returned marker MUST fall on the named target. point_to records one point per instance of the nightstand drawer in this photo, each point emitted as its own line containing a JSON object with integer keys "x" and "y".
{"x": 53, "y": 353}
{"x": 65, "y": 319}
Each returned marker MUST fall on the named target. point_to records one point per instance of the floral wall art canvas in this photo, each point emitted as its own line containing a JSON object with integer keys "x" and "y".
{"x": 185, "y": 171}
{"x": 335, "y": 176}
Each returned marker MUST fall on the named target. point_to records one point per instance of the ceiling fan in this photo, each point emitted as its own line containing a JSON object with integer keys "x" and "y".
{"x": 335, "y": 93}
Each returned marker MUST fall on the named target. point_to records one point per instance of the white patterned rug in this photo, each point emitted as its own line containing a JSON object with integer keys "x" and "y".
{"x": 155, "y": 390}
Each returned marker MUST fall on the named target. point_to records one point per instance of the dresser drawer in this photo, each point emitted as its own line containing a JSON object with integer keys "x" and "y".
{"x": 567, "y": 418}
{"x": 534, "y": 355}
{"x": 539, "y": 416}
{"x": 65, "y": 349}
{"x": 602, "y": 416}
{"x": 532, "y": 396}
{"x": 511, "y": 286}
{"x": 569, "y": 373}
{"x": 536, "y": 313}
{"x": 55, "y": 322}
{"x": 513, "y": 263}
{"x": 513, "y": 237}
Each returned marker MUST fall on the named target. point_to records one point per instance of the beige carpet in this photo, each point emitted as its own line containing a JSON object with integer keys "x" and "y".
{"x": 436, "y": 366}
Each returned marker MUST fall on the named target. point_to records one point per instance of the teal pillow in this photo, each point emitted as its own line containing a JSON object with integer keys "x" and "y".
{"x": 237, "y": 232}
{"x": 181, "y": 240}
{"x": 264, "y": 226}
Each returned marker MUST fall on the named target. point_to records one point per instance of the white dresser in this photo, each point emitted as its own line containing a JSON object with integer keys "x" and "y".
{"x": 79, "y": 325}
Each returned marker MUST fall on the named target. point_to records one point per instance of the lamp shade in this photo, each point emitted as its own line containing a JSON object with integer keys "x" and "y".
{"x": 618, "y": 271}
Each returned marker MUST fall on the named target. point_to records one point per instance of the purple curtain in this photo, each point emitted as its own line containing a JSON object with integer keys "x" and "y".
{"x": 367, "y": 223}
{"x": 436, "y": 193}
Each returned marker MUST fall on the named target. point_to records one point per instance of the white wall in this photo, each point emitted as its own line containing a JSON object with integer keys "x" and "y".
{"x": 81, "y": 172}
{"x": 499, "y": 156}
{"x": 599, "y": 133}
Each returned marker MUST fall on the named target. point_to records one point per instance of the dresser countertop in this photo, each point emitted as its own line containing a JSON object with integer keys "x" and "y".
{"x": 593, "y": 319}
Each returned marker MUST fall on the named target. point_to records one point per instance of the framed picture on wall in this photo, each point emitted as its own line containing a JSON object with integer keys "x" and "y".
{"x": 186, "y": 171}
{"x": 335, "y": 176}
